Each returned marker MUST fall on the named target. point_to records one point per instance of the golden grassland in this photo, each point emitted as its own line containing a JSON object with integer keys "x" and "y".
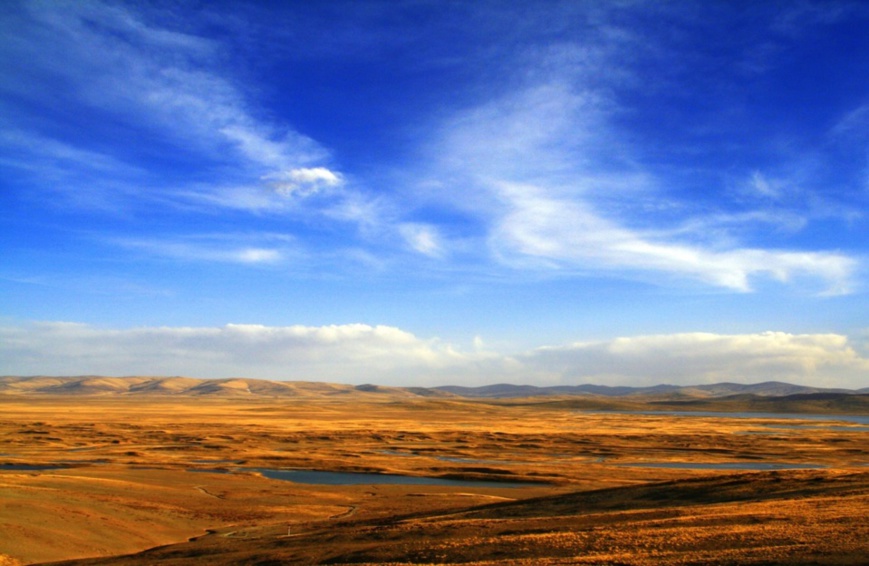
{"x": 178, "y": 474}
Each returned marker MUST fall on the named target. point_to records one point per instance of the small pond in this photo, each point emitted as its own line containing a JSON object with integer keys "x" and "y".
{"x": 33, "y": 467}
{"x": 360, "y": 478}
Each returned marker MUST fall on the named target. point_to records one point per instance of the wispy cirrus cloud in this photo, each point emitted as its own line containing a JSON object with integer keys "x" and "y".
{"x": 30, "y": 150}
{"x": 171, "y": 88}
{"x": 82, "y": 177}
{"x": 150, "y": 74}
{"x": 556, "y": 184}
{"x": 539, "y": 161}
{"x": 853, "y": 125}
{"x": 423, "y": 238}
{"x": 564, "y": 234}
{"x": 245, "y": 249}
{"x": 764, "y": 187}
{"x": 174, "y": 91}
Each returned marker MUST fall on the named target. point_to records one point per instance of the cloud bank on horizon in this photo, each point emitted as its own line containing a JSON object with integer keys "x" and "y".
{"x": 358, "y": 353}
{"x": 685, "y": 175}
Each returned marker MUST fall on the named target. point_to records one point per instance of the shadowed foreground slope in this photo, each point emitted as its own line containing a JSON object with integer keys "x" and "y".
{"x": 793, "y": 517}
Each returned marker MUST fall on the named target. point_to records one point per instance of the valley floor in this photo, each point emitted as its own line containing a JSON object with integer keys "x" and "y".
{"x": 128, "y": 480}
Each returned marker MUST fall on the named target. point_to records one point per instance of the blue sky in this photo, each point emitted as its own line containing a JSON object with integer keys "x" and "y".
{"x": 432, "y": 192}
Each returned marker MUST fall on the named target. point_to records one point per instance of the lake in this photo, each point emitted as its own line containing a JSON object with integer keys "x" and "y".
{"x": 33, "y": 467}
{"x": 362, "y": 478}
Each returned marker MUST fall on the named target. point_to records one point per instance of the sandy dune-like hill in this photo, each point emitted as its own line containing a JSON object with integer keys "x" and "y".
{"x": 192, "y": 387}
{"x": 167, "y": 385}
{"x": 760, "y": 397}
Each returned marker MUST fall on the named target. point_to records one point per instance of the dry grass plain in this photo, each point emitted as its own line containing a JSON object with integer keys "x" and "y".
{"x": 171, "y": 480}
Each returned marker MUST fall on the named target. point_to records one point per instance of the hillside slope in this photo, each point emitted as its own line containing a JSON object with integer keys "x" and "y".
{"x": 759, "y": 518}
{"x": 141, "y": 385}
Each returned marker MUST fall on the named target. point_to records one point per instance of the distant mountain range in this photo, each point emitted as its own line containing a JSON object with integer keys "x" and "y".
{"x": 244, "y": 387}
{"x": 765, "y": 389}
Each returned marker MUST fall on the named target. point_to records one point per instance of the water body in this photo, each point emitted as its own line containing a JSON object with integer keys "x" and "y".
{"x": 859, "y": 419}
{"x": 361, "y": 478}
{"x": 33, "y": 467}
{"x": 751, "y": 466}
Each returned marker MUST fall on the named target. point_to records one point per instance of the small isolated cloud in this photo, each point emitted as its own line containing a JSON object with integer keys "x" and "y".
{"x": 303, "y": 182}
{"x": 255, "y": 255}
{"x": 206, "y": 249}
{"x": 854, "y": 125}
{"x": 764, "y": 187}
{"x": 422, "y": 238}
{"x": 695, "y": 358}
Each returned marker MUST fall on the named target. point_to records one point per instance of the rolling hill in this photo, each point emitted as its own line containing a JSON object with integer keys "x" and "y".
{"x": 246, "y": 387}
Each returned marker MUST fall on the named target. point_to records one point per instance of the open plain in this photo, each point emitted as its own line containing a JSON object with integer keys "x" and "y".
{"x": 95, "y": 472}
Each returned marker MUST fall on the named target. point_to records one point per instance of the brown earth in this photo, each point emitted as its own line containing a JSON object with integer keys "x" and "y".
{"x": 128, "y": 483}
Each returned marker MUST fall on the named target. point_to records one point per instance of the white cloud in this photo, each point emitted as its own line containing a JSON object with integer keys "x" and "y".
{"x": 303, "y": 181}
{"x": 345, "y": 353}
{"x": 541, "y": 167}
{"x": 366, "y": 211}
{"x": 694, "y": 358}
{"x": 557, "y": 189}
{"x": 546, "y": 130}
{"x": 175, "y": 90}
{"x": 721, "y": 225}
{"x": 255, "y": 255}
{"x": 100, "y": 179}
{"x": 853, "y": 126}
{"x": 568, "y": 234}
{"x": 357, "y": 353}
{"x": 223, "y": 249}
{"x": 42, "y": 152}
{"x": 167, "y": 84}
{"x": 423, "y": 238}
{"x": 764, "y": 187}
{"x": 239, "y": 197}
